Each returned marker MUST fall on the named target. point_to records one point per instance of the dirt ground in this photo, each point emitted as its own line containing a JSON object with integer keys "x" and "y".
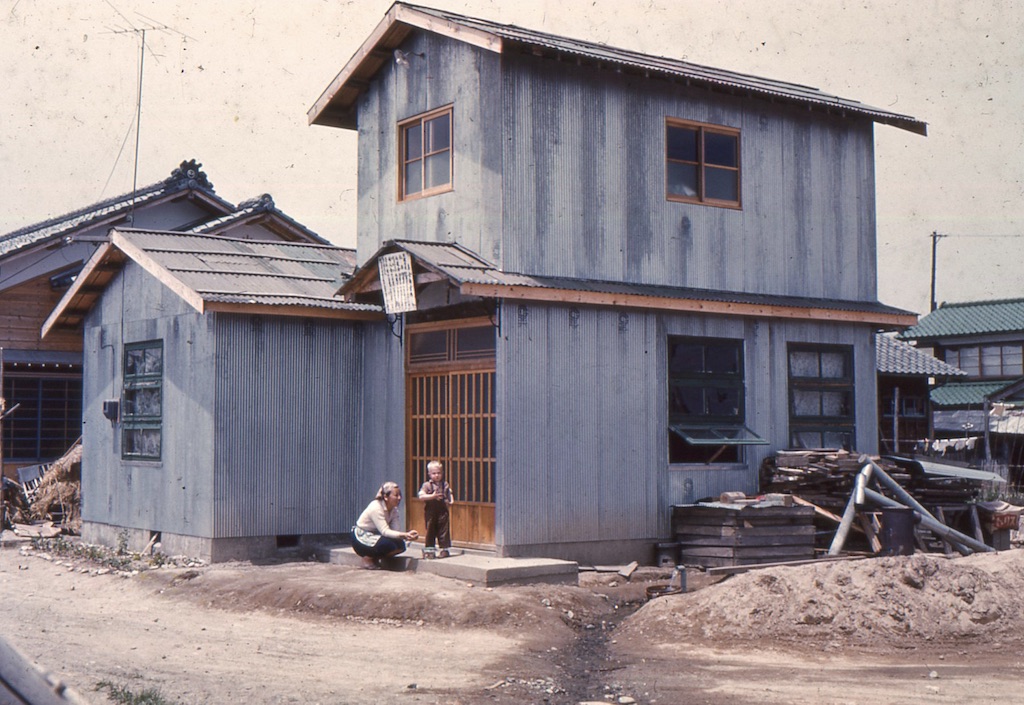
{"x": 921, "y": 629}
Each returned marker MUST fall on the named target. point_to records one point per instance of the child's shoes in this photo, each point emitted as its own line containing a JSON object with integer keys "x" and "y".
{"x": 428, "y": 553}
{"x": 443, "y": 553}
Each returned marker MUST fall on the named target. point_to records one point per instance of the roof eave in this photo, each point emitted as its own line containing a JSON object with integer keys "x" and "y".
{"x": 336, "y": 105}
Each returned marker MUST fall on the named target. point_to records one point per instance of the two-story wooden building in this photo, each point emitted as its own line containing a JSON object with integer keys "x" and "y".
{"x": 634, "y": 276}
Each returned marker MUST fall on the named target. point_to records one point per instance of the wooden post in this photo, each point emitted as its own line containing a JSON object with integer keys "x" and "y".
{"x": 896, "y": 420}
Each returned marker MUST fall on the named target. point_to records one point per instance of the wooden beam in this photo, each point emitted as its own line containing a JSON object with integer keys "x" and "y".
{"x": 295, "y": 311}
{"x": 592, "y": 298}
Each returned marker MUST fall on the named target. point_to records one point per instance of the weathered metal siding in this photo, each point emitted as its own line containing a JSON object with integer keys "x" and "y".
{"x": 175, "y": 493}
{"x": 579, "y": 440}
{"x": 381, "y": 453}
{"x": 287, "y": 424}
{"x": 584, "y": 188}
{"x": 440, "y": 72}
{"x": 583, "y": 417}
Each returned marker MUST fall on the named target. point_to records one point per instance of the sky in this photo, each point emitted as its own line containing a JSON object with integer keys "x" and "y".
{"x": 229, "y": 83}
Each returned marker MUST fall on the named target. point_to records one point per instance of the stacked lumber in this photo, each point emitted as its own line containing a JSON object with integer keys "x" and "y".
{"x": 715, "y": 534}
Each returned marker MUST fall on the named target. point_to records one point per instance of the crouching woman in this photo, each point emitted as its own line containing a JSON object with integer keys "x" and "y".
{"x": 377, "y": 533}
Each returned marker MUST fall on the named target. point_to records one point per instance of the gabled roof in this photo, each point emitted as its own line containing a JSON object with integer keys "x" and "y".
{"x": 898, "y": 358}
{"x": 474, "y": 276}
{"x": 220, "y": 274}
{"x": 336, "y": 106}
{"x": 187, "y": 177}
{"x": 261, "y": 210}
{"x": 969, "y": 318}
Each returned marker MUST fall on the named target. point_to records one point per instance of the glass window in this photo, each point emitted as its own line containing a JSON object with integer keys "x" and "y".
{"x": 426, "y": 154}
{"x": 821, "y": 407}
{"x": 702, "y": 163}
{"x": 447, "y": 346}
{"x": 48, "y": 419}
{"x": 142, "y": 401}
{"x": 705, "y": 400}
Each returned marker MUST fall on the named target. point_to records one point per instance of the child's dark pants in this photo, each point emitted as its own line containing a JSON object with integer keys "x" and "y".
{"x": 436, "y": 515}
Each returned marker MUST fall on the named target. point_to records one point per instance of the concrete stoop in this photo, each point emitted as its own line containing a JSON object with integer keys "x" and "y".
{"x": 478, "y": 567}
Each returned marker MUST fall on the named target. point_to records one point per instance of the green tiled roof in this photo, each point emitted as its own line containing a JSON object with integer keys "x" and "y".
{"x": 966, "y": 393}
{"x": 972, "y": 318}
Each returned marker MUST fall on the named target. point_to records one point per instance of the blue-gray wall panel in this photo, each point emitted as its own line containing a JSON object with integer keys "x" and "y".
{"x": 175, "y": 493}
{"x": 287, "y": 424}
{"x": 583, "y": 417}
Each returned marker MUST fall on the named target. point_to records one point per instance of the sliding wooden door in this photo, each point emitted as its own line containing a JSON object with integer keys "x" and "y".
{"x": 451, "y": 417}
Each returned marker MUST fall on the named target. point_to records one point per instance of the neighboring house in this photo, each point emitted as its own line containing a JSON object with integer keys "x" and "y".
{"x": 221, "y": 392}
{"x": 986, "y": 340}
{"x": 906, "y": 376}
{"x": 634, "y": 277}
{"x": 39, "y": 262}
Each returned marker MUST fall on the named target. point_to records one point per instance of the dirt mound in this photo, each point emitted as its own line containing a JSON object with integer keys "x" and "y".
{"x": 892, "y": 601}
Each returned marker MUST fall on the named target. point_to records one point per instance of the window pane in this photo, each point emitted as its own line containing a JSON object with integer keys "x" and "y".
{"x": 682, "y": 144}
{"x": 413, "y": 142}
{"x": 438, "y": 133}
{"x": 837, "y": 439}
{"x": 474, "y": 342}
{"x": 720, "y": 150}
{"x": 835, "y": 404}
{"x": 722, "y": 401}
{"x": 425, "y": 347}
{"x": 969, "y": 361}
{"x": 723, "y": 358}
{"x": 682, "y": 179}
{"x": 807, "y": 439}
{"x": 721, "y": 184}
{"x": 133, "y": 361}
{"x": 686, "y": 401}
{"x": 142, "y": 401}
{"x": 413, "y": 178}
{"x": 806, "y": 403}
{"x": 152, "y": 361}
{"x": 438, "y": 170}
{"x": 686, "y": 357}
{"x": 991, "y": 361}
{"x": 1012, "y": 361}
{"x": 142, "y": 442}
{"x": 803, "y": 364}
{"x": 833, "y": 365}
{"x": 953, "y": 358}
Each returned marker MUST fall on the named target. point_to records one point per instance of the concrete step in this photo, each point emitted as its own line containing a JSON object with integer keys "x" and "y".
{"x": 478, "y": 567}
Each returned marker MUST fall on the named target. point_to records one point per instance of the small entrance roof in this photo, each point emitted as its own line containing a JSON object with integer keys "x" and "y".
{"x": 472, "y": 275}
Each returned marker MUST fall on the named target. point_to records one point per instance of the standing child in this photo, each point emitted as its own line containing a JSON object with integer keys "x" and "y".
{"x": 437, "y": 496}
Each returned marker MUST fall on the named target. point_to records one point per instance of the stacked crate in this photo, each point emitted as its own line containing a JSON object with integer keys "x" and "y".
{"x": 713, "y": 535}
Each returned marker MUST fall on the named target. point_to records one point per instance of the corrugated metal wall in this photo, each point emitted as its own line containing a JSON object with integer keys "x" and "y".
{"x": 584, "y": 192}
{"x": 440, "y": 72}
{"x": 583, "y": 417}
{"x": 174, "y": 494}
{"x": 287, "y": 415}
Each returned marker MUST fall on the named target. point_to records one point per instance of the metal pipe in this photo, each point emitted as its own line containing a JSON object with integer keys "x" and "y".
{"x": 856, "y": 497}
{"x": 908, "y": 500}
{"x": 932, "y": 524}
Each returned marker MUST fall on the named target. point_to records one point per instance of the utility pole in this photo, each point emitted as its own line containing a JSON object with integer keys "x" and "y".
{"x": 935, "y": 246}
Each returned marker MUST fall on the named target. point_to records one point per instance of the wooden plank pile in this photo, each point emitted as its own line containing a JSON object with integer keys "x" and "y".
{"x": 742, "y": 532}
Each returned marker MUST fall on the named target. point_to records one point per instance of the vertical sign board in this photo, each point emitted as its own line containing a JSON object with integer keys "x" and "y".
{"x": 397, "y": 282}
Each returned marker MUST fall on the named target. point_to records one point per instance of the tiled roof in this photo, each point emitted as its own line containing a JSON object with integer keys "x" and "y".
{"x": 965, "y": 393}
{"x": 263, "y": 276}
{"x": 248, "y": 271}
{"x": 188, "y": 175}
{"x": 335, "y": 104}
{"x": 260, "y": 206}
{"x": 970, "y": 318}
{"x": 899, "y": 358}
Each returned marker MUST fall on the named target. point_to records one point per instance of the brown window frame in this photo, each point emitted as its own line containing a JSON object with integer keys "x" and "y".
{"x": 702, "y": 165}
{"x": 403, "y": 163}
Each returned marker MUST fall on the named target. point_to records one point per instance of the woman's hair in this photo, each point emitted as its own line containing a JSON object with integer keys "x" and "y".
{"x": 386, "y": 489}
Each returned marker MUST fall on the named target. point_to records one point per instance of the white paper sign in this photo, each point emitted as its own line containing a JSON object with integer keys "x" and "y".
{"x": 397, "y": 282}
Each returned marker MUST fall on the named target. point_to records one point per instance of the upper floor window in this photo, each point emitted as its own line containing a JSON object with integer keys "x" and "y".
{"x": 142, "y": 405}
{"x": 821, "y": 394}
{"x": 988, "y": 360}
{"x": 702, "y": 163}
{"x": 425, "y": 148}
